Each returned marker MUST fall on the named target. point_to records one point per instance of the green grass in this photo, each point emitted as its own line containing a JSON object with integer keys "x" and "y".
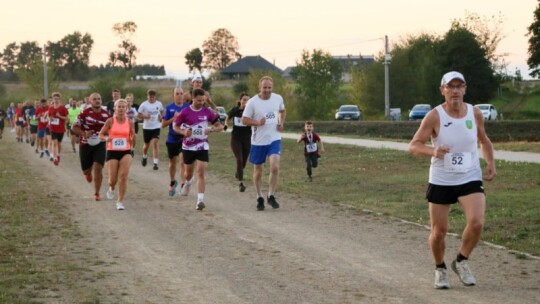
{"x": 35, "y": 237}
{"x": 394, "y": 183}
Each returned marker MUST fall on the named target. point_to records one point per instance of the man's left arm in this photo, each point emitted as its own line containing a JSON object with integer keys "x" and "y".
{"x": 485, "y": 145}
{"x": 281, "y": 122}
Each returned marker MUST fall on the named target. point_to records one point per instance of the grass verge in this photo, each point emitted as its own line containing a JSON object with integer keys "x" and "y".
{"x": 394, "y": 183}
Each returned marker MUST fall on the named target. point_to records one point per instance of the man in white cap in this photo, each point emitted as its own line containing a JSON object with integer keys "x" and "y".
{"x": 455, "y": 129}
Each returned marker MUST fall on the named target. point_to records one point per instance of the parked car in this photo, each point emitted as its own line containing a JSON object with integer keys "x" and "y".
{"x": 419, "y": 111}
{"x": 488, "y": 110}
{"x": 222, "y": 114}
{"x": 348, "y": 112}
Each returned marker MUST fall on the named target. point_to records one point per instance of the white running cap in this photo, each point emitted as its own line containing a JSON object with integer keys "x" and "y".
{"x": 451, "y": 76}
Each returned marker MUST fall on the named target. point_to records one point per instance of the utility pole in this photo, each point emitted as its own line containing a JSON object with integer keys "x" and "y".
{"x": 386, "y": 79}
{"x": 45, "y": 78}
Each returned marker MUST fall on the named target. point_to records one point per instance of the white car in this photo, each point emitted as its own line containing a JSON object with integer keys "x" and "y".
{"x": 488, "y": 110}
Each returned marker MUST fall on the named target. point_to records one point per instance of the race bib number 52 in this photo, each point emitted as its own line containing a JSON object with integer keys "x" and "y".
{"x": 457, "y": 161}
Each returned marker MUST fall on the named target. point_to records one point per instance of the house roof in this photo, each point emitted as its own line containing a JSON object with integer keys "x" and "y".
{"x": 348, "y": 61}
{"x": 243, "y": 65}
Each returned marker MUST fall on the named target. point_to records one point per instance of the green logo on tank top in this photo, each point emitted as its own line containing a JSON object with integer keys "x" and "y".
{"x": 469, "y": 124}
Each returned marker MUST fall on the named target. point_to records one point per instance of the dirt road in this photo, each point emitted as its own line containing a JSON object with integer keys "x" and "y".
{"x": 161, "y": 250}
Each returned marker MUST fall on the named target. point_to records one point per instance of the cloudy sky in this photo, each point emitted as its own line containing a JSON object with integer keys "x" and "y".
{"x": 278, "y": 30}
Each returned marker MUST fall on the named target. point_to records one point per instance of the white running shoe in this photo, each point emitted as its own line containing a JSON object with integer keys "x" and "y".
{"x": 463, "y": 272}
{"x": 200, "y": 205}
{"x": 120, "y": 206}
{"x": 441, "y": 279}
{"x": 110, "y": 193}
{"x": 185, "y": 188}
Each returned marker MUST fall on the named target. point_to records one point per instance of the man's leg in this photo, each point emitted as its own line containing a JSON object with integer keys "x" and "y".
{"x": 257, "y": 174}
{"x": 474, "y": 206}
{"x": 438, "y": 215}
{"x": 274, "y": 160}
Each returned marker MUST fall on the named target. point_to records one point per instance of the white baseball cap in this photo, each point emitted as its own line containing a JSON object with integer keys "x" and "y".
{"x": 196, "y": 78}
{"x": 451, "y": 76}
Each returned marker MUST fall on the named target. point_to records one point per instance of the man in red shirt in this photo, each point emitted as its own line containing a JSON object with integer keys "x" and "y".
{"x": 58, "y": 115}
{"x": 41, "y": 117}
{"x": 91, "y": 150}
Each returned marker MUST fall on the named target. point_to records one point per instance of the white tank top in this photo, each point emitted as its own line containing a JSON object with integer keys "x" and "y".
{"x": 461, "y": 165}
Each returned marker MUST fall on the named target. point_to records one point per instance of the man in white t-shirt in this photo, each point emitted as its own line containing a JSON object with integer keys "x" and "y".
{"x": 265, "y": 113}
{"x": 151, "y": 111}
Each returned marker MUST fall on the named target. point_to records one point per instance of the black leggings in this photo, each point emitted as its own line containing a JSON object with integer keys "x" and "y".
{"x": 312, "y": 161}
{"x": 240, "y": 147}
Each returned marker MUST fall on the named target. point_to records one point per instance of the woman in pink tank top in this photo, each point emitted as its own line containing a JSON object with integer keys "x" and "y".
{"x": 119, "y": 133}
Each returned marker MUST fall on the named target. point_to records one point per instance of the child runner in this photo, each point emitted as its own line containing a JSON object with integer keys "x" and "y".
{"x": 311, "y": 150}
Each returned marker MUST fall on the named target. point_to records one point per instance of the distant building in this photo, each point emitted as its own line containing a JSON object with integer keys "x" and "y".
{"x": 242, "y": 67}
{"x": 347, "y": 62}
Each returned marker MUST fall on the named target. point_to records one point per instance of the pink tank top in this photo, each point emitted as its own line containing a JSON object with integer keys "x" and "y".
{"x": 119, "y": 136}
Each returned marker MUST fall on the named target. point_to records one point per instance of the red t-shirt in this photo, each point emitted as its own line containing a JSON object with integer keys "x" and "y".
{"x": 41, "y": 117}
{"x": 19, "y": 115}
{"x": 89, "y": 120}
{"x": 56, "y": 124}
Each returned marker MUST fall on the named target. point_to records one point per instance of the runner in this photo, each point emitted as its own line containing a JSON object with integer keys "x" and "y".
{"x": 3, "y": 116}
{"x": 41, "y": 116}
{"x": 26, "y": 113}
{"x": 33, "y": 123}
{"x": 174, "y": 140}
{"x": 151, "y": 111}
{"x": 11, "y": 117}
{"x": 240, "y": 139}
{"x": 118, "y": 132}
{"x": 58, "y": 115}
{"x": 455, "y": 129}
{"x": 193, "y": 123}
{"x": 265, "y": 112}
{"x": 19, "y": 122}
{"x": 311, "y": 150}
{"x": 132, "y": 113}
{"x": 73, "y": 112}
{"x": 197, "y": 83}
{"x": 115, "y": 96}
{"x": 92, "y": 150}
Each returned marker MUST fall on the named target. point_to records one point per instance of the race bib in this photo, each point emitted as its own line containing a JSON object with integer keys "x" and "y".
{"x": 93, "y": 140}
{"x": 457, "y": 161}
{"x": 119, "y": 143}
{"x": 310, "y": 148}
{"x": 43, "y": 119}
{"x": 154, "y": 117}
{"x": 55, "y": 121}
{"x": 271, "y": 118}
{"x": 21, "y": 118}
{"x": 198, "y": 133}
{"x": 238, "y": 122}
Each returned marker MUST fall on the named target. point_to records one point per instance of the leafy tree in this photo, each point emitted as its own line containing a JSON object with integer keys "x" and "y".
{"x": 534, "y": 44}
{"x": 318, "y": 78}
{"x": 460, "y": 51}
{"x": 32, "y": 75}
{"x": 27, "y": 53}
{"x": 220, "y": 50}
{"x": 9, "y": 57}
{"x": 127, "y": 54}
{"x": 104, "y": 85}
{"x": 194, "y": 60}
{"x": 72, "y": 55}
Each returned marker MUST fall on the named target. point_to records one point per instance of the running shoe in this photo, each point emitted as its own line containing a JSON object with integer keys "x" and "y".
{"x": 172, "y": 189}
{"x": 88, "y": 177}
{"x": 41, "y": 154}
{"x": 110, "y": 193}
{"x": 242, "y": 187}
{"x": 272, "y": 201}
{"x": 155, "y": 167}
{"x": 310, "y": 178}
{"x": 51, "y": 158}
{"x": 200, "y": 206}
{"x": 32, "y": 143}
{"x": 74, "y": 151}
{"x": 56, "y": 161}
{"x": 441, "y": 279}
{"x": 260, "y": 203}
{"x": 463, "y": 272}
{"x": 185, "y": 188}
{"x": 120, "y": 206}
{"x": 97, "y": 197}
{"x": 47, "y": 152}
{"x": 144, "y": 161}
{"x": 27, "y": 141}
